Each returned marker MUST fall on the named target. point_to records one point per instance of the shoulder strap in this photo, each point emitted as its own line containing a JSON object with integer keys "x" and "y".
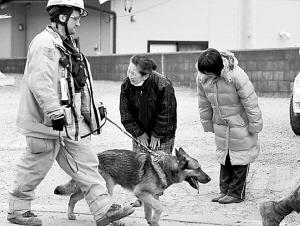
{"x": 87, "y": 72}
{"x": 67, "y": 63}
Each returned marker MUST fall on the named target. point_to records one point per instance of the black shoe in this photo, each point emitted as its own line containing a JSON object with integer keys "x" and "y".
{"x": 229, "y": 199}
{"x": 115, "y": 212}
{"x": 217, "y": 198}
{"x": 27, "y": 218}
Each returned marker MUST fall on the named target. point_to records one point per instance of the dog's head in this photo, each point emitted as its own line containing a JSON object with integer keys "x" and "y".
{"x": 192, "y": 169}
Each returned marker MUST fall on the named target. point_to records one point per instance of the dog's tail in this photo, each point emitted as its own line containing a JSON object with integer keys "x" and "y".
{"x": 66, "y": 189}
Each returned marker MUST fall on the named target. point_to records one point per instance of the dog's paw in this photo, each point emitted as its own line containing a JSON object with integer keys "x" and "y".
{"x": 118, "y": 223}
{"x": 71, "y": 217}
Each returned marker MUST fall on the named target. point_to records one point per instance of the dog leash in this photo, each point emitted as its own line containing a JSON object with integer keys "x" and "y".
{"x": 62, "y": 143}
{"x": 125, "y": 132}
{"x": 136, "y": 140}
{"x": 93, "y": 131}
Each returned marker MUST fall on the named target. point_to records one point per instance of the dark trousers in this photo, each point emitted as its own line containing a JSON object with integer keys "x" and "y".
{"x": 233, "y": 179}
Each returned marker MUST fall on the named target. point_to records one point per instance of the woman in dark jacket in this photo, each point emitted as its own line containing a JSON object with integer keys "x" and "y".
{"x": 148, "y": 106}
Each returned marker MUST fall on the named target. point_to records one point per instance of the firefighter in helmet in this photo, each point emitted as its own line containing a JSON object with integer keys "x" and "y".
{"x": 56, "y": 108}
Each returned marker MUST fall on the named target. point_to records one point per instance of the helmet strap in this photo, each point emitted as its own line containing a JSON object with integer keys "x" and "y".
{"x": 66, "y": 25}
{"x": 55, "y": 13}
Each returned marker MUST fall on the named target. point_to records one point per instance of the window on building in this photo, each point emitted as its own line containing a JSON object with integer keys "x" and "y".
{"x": 175, "y": 46}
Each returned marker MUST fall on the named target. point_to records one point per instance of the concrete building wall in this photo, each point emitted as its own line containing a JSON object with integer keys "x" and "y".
{"x": 5, "y": 34}
{"x": 222, "y": 23}
{"x": 18, "y": 31}
{"x": 95, "y": 30}
{"x": 228, "y": 24}
{"x": 90, "y": 33}
{"x": 178, "y": 20}
{"x": 36, "y": 20}
{"x": 106, "y": 42}
{"x": 272, "y": 71}
{"x": 274, "y": 16}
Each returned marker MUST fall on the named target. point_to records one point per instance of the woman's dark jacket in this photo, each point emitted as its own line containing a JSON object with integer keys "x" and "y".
{"x": 149, "y": 108}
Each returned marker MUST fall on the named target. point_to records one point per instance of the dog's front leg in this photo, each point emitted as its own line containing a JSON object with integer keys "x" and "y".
{"x": 110, "y": 183}
{"x": 148, "y": 212}
{"x": 152, "y": 203}
{"x": 74, "y": 198}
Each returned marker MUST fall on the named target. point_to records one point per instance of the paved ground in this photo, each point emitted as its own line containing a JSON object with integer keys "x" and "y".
{"x": 55, "y": 215}
{"x": 272, "y": 176}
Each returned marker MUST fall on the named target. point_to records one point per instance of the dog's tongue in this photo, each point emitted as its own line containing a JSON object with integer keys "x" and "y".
{"x": 196, "y": 183}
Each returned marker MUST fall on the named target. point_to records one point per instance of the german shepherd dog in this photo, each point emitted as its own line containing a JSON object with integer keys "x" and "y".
{"x": 145, "y": 175}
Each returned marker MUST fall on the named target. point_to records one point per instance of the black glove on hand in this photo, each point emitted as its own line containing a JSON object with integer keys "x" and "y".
{"x": 58, "y": 123}
{"x": 102, "y": 111}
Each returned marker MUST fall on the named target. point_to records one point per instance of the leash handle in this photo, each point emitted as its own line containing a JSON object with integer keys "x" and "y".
{"x": 129, "y": 135}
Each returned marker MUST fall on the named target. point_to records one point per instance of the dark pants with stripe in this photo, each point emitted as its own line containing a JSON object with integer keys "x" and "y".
{"x": 233, "y": 179}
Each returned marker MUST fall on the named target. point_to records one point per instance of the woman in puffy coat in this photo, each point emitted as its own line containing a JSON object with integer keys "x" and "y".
{"x": 228, "y": 107}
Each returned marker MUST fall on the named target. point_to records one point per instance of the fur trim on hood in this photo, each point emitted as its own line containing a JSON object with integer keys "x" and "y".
{"x": 230, "y": 62}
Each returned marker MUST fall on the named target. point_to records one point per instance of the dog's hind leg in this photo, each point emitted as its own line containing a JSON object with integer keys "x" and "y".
{"x": 74, "y": 198}
{"x": 149, "y": 200}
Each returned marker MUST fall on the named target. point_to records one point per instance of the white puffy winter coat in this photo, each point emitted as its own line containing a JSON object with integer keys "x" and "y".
{"x": 229, "y": 108}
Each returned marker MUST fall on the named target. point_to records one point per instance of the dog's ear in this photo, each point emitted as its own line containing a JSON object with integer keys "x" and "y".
{"x": 179, "y": 155}
{"x": 182, "y": 157}
{"x": 183, "y": 162}
{"x": 182, "y": 152}
{"x": 190, "y": 162}
{"x": 176, "y": 152}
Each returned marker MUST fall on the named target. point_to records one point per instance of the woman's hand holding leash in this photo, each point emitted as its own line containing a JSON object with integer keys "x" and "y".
{"x": 143, "y": 139}
{"x": 154, "y": 142}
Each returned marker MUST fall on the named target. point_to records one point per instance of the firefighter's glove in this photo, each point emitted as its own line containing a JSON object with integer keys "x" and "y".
{"x": 102, "y": 111}
{"x": 58, "y": 123}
